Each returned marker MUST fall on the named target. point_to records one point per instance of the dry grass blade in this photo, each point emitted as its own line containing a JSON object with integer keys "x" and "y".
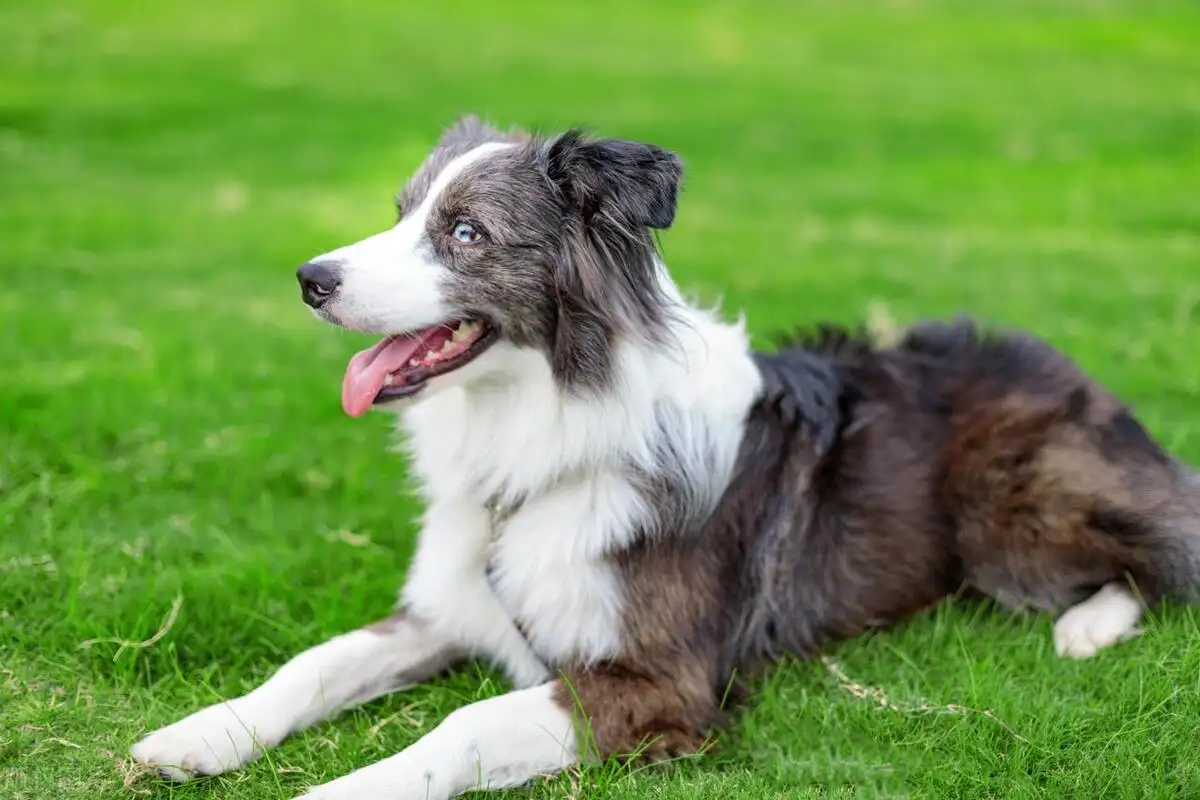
{"x": 131, "y": 771}
{"x": 880, "y": 697}
{"x": 128, "y": 644}
{"x": 882, "y": 326}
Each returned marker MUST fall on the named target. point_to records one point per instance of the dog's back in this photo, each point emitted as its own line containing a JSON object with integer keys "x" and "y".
{"x": 955, "y": 458}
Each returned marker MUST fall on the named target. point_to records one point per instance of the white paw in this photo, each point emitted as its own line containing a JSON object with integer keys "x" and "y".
{"x": 346, "y": 789}
{"x": 527, "y": 673}
{"x": 401, "y": 777}
{"x": 218, "y": 739}
{"x": 354, "y": 787}
{"x": 1109, "y": 616}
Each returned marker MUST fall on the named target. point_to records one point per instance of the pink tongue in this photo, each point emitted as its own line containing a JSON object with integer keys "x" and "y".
{"x": 366, "y": 371}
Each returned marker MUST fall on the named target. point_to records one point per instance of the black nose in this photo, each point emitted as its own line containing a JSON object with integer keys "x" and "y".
{"x": 318, "y": 282}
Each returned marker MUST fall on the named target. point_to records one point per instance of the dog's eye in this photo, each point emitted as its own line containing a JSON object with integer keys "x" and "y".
{"x": 465, "y": 233}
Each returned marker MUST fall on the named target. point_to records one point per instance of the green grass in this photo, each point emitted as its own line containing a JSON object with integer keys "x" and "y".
{"x": 170, "y": 411}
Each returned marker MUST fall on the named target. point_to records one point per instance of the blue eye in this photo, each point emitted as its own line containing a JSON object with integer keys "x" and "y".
{"x": 465, "y": 233}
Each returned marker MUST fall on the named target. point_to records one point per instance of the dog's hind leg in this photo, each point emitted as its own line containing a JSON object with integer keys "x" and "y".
{"x": 1109, "y": 616}
{"x": 1152, "y": 513}
{"x": 316, "y": 684}
{"x": 1069, "y": 507}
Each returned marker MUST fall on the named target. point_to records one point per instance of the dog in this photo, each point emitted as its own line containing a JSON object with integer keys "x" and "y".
{"x": 626, "y": 505}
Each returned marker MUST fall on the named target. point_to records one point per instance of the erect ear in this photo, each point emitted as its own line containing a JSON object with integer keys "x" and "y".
{"x": 636, "y": 182}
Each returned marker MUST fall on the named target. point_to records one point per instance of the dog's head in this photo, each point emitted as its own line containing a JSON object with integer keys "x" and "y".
{"x": 506, "y": 245}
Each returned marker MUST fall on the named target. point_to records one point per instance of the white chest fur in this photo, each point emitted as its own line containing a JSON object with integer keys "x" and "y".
{"x": 539, "y": 590}
{"x": 516, "y": 434}
{"x": 550, "y": 567}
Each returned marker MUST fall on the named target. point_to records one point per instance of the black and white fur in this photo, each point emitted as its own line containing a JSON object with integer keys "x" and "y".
{"x": 625, "y": 504}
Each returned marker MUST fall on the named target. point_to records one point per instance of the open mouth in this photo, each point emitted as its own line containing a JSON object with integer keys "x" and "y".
{"x": 401, "y": 365}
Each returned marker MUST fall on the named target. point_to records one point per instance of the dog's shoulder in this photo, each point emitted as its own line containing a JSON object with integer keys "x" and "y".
{"x": 829, "y": 341}
{"x": 820, "y": 375}
{"x": 804, "y": 381}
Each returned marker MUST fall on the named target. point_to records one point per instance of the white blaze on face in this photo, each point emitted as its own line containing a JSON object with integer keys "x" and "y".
{"x": 391, "y": 282}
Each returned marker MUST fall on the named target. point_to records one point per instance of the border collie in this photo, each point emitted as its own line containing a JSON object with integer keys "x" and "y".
{"x": 626, "y": 505}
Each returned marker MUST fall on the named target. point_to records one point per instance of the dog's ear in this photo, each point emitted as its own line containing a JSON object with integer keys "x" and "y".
{"x": 607, "y": 274}
{"x": 635, "y": 182}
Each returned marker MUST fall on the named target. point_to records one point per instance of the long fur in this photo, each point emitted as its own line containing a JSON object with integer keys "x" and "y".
{"x": 625, "y": 504}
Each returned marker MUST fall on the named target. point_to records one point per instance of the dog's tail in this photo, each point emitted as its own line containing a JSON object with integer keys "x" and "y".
{"x": 1177, "y": 565}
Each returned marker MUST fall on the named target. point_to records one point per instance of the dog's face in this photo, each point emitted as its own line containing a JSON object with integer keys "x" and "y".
{"x": 505, "y": 243}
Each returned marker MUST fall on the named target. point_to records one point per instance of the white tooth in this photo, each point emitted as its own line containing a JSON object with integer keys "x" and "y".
{"x": 459, "y": 334}
{"x": 447, "y": 345}
{"x": 413, "y": 362}
{"x": 388, "y": 379}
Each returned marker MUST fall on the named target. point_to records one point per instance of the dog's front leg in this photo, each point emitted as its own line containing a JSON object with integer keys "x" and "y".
{"x": 343, "y": 672}
{"x": 658, "y": 707}
{"x": 493, "y": 744}
{"x": 448, "y": 585}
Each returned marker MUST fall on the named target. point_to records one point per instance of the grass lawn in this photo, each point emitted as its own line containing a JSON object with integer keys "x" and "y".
{"x": 169, "y": 410}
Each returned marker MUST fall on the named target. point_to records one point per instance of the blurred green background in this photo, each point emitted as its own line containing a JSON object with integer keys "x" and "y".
{"x": 170, "y": 410}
